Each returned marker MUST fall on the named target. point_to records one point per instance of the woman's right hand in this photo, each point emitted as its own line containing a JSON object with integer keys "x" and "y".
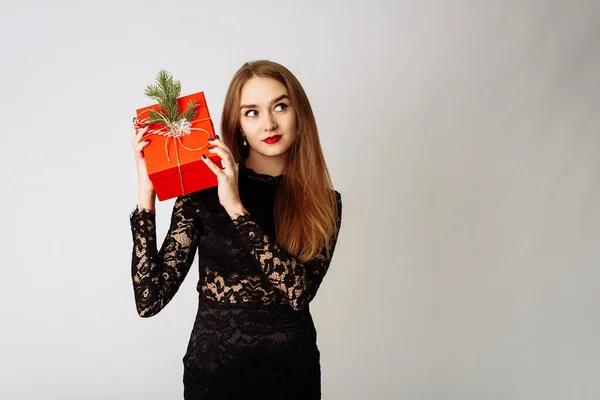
{"x": 138, "y": 142}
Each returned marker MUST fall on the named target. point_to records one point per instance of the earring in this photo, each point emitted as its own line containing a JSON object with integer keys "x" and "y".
{"x": 244, "y": 143}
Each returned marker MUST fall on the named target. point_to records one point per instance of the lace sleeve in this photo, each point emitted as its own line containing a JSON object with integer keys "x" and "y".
{"x": 296, "y": 280}
{"x": 157, "y": 275}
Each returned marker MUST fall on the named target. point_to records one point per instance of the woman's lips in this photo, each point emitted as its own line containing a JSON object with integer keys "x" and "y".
{"x": 272, "y": 139}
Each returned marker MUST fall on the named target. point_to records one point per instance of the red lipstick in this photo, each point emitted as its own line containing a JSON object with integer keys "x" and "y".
{"x": 272, "y": 139}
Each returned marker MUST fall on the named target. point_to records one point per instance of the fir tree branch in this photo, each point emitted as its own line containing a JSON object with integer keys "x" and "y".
{"x": 190, "y": 112}
{"x": 165, "y": 92}
{"x": 160, "y": 118}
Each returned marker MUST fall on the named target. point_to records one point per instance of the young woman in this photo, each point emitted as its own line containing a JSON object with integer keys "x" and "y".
{"x": 265, "y": 236}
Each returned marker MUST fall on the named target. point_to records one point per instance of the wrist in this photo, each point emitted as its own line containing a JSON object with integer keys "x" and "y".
{"x": 147, "y": 199}
{"x": 146, "y": 193}
{"x": 235, "y": 210}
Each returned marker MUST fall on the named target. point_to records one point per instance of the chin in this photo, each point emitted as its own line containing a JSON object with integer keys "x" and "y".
{"x": 275, "y": 150}
{"x": 275, "y": 153}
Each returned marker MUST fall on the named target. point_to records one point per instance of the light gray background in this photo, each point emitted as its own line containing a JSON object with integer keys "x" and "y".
{"x": 463, "y": 136}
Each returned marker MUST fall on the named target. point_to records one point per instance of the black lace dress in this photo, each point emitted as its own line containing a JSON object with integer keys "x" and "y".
{"x": 253, "y": 337}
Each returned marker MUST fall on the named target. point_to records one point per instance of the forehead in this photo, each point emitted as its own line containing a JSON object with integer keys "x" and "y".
{"x": 262, "y": 90}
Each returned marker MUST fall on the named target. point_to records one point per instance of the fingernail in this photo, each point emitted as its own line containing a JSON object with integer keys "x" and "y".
{"x": 203, "y": 156}
{"x": 218, "y": 137}
{"x": 211, "y": 139}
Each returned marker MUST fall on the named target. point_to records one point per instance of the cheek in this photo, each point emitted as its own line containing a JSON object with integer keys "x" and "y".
{"x": 290, "y": 121}
{"x": 247, "y": 126}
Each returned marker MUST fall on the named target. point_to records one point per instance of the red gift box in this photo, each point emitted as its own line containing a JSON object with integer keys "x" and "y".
{"x": 174, "y": 158}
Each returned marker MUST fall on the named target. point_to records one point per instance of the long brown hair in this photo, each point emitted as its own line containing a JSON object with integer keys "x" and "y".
{"x": 305, "y": 204}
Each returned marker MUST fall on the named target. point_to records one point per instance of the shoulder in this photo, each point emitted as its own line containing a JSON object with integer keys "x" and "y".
{"x": 338, "y": 196}
{"x": 338, "y": 200}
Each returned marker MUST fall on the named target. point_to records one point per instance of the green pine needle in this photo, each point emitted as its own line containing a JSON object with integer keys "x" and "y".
{"x": 165, "y": 92}
{"x": 190, "y": 112}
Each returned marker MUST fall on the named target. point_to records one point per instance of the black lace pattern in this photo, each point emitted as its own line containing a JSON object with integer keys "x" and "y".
{"x": 255, "y": 176}
{"x": 157, "y": 275}
{"x": 298, "y": 282}
{"x": 253, "y": 323}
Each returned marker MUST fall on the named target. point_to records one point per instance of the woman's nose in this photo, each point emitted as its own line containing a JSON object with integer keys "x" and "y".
{"x": 270, "y": 123}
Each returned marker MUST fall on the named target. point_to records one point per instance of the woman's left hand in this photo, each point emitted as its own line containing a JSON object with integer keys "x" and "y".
{"x": 229, "y": 195}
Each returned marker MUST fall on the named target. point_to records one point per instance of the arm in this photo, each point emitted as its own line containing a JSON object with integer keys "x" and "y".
{"x": 297, "y": 281}
{"x": 157, "y": 275}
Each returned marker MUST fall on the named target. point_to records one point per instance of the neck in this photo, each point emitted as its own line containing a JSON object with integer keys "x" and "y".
{"x": 268, "y": 165}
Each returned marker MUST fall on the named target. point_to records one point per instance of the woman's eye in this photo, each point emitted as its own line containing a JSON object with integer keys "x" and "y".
{"x": 281, "y": 107}
{"x": 248, "y": 113}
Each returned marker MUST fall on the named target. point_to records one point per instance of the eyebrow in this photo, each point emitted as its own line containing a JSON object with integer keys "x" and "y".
{"x": 283, "y": 96}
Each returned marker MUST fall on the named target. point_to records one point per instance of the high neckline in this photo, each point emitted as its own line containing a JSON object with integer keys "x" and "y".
{"x": 250, "y": 173}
